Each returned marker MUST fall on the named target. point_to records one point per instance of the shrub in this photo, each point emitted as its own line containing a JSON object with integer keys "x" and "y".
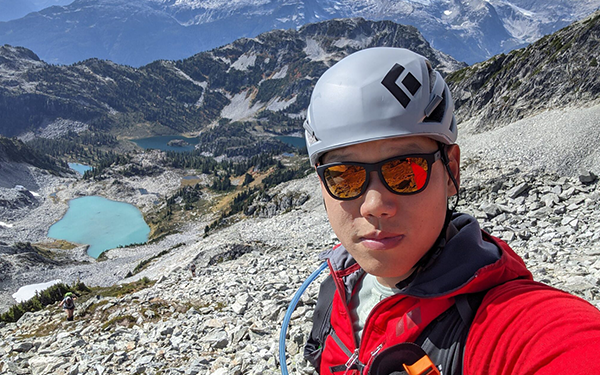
{"x": 42, "y": 299}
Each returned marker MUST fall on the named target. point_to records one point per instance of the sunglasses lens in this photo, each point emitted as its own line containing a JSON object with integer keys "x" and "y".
{"x": 405, "y": 176}
{"x": 345, "y": 181}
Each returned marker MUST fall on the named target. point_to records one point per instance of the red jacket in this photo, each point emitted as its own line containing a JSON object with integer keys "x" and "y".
{"x": 520, "y": 326}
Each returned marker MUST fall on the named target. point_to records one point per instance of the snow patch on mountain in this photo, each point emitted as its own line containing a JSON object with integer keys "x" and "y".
{"x": 523, "y": 30}
{"x": 315, "y": 52}
{"x": 424, "y": 2}
{"x": 524, "y": 12}
{"x": 280, "y": 73}
{"x": 240, "y": 107}
{"x": 89, "y": 71}
{"x": 183, "y": 75}
{"x": 223, "y": 58}
{"x": 359, "y": 43}
{"x": 277, "y": 104}
{"x": 6, "y": 225}
{"x": 244, "y": 62}
{"x": 29, "y": 291}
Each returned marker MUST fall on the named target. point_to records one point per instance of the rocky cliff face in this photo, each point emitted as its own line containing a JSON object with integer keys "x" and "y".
{"x": 557, "y": 71}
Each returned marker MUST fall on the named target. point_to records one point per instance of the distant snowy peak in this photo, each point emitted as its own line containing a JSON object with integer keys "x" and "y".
{"x": 141, "y": 31}
{"x": 506, "y": 23}
{"x": 286, "y": 13}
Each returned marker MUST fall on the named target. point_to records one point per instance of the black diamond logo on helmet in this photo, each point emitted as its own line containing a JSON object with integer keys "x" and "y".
{"x": 409, "y": 82}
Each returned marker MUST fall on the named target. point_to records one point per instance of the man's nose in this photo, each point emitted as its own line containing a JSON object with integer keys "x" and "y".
{"x": 378, "y": 201}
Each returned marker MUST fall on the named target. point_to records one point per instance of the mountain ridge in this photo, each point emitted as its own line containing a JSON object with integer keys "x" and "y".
{"x": 551, "y": 73}
{"x": 261, "y": 86}
{"x": 269, "y": 77}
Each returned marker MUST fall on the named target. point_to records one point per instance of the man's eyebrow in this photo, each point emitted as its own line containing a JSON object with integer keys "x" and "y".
{"x": 412, "y": 148}
{"x": 336, "y": 156}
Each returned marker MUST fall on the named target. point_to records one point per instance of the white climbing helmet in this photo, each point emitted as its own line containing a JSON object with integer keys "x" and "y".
{"x": 378, "y": 93}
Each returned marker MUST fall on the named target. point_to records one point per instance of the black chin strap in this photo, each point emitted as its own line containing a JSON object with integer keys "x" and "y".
{"x": 446, "y": 162}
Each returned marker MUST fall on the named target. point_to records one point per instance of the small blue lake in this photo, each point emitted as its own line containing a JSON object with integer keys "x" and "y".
{"x": 101, "y": 223}
{"x": 162, "y": 143}
{"x": 297, "y": 142}
{"x": 79, "y": 168}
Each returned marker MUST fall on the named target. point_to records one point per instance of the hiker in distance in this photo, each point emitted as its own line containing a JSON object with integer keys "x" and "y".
{"x": 415, "y": 287}
{"x": 68, "y": 304}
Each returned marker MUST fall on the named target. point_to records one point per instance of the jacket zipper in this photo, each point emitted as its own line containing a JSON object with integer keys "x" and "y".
{"x": 353, "y": 359}
{"x": 374, "y": 354}
{"x": 371, "y": 313}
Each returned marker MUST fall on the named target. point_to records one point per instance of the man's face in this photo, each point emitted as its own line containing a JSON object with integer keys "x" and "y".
{"x": 385, "y": 232}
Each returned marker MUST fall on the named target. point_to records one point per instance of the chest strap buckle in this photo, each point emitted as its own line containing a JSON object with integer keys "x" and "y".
{"x": 423, "y": 366}
{"x": 406, "y": 356}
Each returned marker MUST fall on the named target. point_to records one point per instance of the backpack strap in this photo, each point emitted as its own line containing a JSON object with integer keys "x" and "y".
{"x": 321, "y": 323}
{"x": 467, "y": 305}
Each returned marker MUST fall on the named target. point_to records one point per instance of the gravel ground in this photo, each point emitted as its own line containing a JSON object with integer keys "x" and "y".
{"x": 564, "y": 141}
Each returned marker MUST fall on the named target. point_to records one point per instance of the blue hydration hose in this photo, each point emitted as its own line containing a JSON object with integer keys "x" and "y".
{"x": 288, "y": 316}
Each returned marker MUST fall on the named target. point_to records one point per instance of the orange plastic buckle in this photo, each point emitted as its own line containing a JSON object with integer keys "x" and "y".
{"x": 423, "y": 366}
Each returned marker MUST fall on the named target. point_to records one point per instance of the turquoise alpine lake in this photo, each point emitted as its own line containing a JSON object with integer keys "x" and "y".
{"x": 162, "y": 143}
{"x": 101, "y": 223}
{"x": 80, "y": 168}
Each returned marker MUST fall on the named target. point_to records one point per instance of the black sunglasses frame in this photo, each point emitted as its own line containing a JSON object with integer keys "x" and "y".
{"x": 371, "y": 167}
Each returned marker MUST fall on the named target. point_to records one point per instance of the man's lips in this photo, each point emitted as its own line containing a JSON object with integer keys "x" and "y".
{"x": 381, "y": 241}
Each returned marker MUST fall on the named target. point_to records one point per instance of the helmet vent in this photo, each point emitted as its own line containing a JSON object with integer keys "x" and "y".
{"x": 309, "y": 134}
{"x": 436, "y": 114}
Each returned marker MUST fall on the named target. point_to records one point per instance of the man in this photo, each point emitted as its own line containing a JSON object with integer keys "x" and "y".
{"x": 414, "y": 287}
{"x": 68, "y": 304}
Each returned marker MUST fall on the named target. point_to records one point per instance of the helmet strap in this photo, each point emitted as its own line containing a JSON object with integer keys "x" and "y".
{"x": 445, "y": 234}
{"x": 454, "y": 199}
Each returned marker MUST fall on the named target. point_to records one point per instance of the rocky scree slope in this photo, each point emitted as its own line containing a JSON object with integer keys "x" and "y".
{"x": 557, "y": 71}
{"x": 226, "y": 320}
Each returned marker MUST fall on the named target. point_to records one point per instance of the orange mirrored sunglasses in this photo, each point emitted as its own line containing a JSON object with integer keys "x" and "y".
{"x": 403, "y": 175}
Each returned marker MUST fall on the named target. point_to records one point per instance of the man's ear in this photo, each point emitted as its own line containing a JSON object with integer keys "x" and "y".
{"x": 454, "y": 168}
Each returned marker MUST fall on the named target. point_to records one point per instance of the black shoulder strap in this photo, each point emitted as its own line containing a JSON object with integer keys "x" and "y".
{"x": 467, "y": 305}
{"x": 321, "y": 323}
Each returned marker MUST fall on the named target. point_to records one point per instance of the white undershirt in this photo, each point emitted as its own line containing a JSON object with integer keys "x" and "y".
{"x": 370, "y": 292}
